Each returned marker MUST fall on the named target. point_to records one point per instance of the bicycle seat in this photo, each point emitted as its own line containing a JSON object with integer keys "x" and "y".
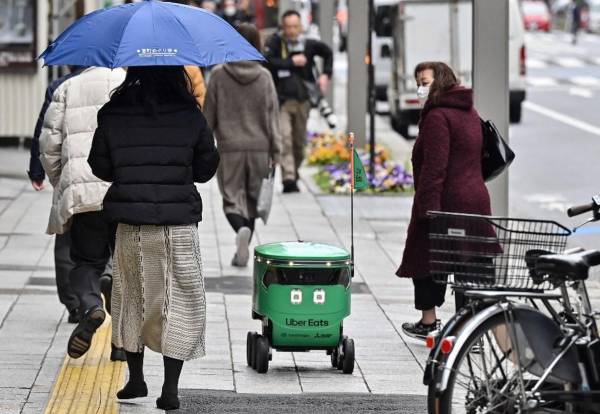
{"x": 568, "y": 266}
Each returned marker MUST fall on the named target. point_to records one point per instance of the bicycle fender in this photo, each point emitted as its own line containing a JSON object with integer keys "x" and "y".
{"x": 449, "y": 329}
{"x": 530, "y": 320}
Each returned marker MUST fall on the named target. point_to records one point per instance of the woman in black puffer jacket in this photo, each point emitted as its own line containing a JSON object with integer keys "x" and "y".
{"x": 153, "y": 143}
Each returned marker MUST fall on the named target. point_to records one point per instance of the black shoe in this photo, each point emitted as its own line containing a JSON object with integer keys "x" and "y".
{"x": 117, "y": 354}
{"x": 133, "y": 390}
{"x": 81, "y": 338}
{"x": 74, "y": 316}
{"x": 290, "y": 186}
{"x": 419, "y": 330}
{"x": 167, "y": 402}
{"x": 106, "y": 289}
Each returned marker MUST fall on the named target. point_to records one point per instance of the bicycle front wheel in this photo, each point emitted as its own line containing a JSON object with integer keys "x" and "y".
{"x": 486, "y": 378}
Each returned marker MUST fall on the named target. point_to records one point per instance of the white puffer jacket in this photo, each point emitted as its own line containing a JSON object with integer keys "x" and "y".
{"x": 66, "y": 140}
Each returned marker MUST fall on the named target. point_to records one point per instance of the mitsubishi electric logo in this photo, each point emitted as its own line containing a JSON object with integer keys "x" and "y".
{"x": 156, "y": 52}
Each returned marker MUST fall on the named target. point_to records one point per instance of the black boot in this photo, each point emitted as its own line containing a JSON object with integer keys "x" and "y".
{"x": 117, "y": 354}
{"x": 135, "y": 387}
{"x": 168, "y": 399}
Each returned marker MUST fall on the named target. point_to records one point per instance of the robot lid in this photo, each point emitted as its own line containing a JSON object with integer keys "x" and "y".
{"x": 302, "y": 251}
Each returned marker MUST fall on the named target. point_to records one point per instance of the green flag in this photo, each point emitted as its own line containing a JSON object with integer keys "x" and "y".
{"x": 360, "y": 177}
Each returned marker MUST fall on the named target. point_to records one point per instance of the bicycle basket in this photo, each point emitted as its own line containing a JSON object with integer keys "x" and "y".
{"x": 481, "y": 252}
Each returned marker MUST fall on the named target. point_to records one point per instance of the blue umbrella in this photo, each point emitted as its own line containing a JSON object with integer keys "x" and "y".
{"x": 149, "y": 33}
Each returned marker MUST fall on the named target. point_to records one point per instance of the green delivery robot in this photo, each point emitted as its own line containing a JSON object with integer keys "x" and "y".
{"x": 301, "y": 293}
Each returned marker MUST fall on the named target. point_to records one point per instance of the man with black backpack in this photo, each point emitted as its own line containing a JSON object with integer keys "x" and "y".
{"x": 291, "y": 60}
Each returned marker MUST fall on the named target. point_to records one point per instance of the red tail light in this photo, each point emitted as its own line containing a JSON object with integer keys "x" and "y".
{"x": 447, "y": 344}
{"x": 430, "y": 341}
{"x": 523, "y": 61}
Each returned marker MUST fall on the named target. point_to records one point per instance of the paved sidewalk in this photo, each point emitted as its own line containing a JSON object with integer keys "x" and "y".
{"x": 33, "y": 328}
{"x": 34, "y": 332}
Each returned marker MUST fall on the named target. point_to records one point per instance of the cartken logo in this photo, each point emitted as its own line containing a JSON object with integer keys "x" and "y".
{"x": 157, "y": 52}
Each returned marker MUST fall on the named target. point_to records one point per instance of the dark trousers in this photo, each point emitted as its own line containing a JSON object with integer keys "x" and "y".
{"x": 430, "y": 294}
{"x": 93, "y": 241}
{"x": 63, "y": 266}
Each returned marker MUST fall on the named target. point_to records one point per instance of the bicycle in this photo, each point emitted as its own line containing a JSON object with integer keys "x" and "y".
{"x": 498, "y": 354}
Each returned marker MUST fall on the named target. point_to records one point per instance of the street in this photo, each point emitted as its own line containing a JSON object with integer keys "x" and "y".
{"x": 557, "y": 144}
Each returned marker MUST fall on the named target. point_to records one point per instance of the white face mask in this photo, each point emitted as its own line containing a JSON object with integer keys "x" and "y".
{"x": 423, "y": 93}
{"x": 230, "y": 10}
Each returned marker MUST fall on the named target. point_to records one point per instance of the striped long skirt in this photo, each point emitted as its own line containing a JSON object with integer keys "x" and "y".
{"x": 158, "y": 297}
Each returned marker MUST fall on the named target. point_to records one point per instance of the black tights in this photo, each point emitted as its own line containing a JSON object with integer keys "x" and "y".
{"x": 135, "y": 363}
{"x": 237, "y": 222}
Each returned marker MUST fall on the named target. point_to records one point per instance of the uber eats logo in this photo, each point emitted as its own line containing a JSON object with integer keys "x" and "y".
{"x": 309, "y": 322}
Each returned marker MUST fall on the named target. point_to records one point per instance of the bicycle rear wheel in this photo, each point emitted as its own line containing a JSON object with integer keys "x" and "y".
{"x": 485, "y": 377}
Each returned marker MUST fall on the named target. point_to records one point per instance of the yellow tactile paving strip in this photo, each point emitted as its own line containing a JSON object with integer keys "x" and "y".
{"x": 89, "y": 384}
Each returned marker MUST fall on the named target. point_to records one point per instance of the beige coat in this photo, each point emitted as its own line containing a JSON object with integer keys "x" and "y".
{"x": 66, "y": 140}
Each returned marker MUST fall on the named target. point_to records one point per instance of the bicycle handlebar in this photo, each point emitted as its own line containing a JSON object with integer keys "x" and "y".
{"x": 593, "y": 206}
{"x": 577, "y": 210}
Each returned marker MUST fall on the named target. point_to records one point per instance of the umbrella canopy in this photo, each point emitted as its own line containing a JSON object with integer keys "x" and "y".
{"x": 149, "y": 33}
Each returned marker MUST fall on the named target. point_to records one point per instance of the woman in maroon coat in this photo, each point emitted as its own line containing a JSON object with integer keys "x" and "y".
{"x": 447, "y": 170}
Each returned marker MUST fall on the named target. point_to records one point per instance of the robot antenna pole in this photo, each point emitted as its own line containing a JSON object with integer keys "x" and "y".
{"x": 352, "y": 183}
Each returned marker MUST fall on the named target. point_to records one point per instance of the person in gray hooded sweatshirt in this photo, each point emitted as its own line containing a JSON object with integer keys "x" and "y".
{"x": 242, "y": 108}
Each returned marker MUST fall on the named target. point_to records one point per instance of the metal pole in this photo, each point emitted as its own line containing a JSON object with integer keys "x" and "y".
{"x": 326, "y": 19}
{"x": 352, "y": 177}
{"x": 490, "y": 79}
{"x": 372, "y": 96}
{"x": 357, "y": 98}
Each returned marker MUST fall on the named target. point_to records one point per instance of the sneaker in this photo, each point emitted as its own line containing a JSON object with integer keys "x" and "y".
{"x": 290, "y": 186}
{"x": 81, "y": 338}
{"x": 106, "y": 289}
{"x": 419, "y": 330}
{"x": 242, "y": 242}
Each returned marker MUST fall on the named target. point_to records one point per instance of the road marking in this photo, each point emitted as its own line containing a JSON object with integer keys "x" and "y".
{"x": 588, "y": 230}
{"x": 536, "y": 64}
{"x": 550, "y": 202}
{"x": 565, "y": 119}
{"x": 584, "y": 93}
{"x": 591, "y": 38}
{"x": 585, "y": 80}
{"x": 541, "y": 81}
{"x": 89, "y": 384}
{"x": 570, "y": 62}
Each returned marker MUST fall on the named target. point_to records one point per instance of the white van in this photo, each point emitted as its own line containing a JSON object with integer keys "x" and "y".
{"x": 517, "y": 69}
{"x": 442, "y": 30}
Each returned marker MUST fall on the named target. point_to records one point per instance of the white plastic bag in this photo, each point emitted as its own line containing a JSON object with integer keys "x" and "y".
{"x": 265, "y": 196}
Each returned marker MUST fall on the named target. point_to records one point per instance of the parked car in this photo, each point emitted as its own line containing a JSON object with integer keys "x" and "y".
{"x": 536, "y": 15}
{"x": 594, "y": 17}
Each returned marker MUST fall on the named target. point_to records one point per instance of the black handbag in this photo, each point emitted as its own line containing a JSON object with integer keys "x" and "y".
{"x": 496, "y": 155}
